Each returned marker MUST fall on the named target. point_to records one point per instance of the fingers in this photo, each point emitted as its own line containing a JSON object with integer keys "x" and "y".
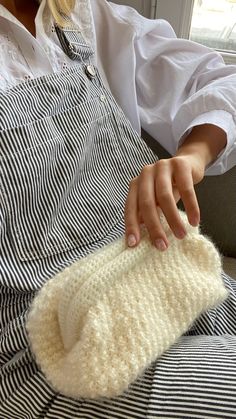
{"x": 158, "y": 188}
{"x": 148, "y": 207}
{"x": 185, "y": 185}
{"x": 141, "y": 207}
{"x": 132, "y": 229}
{"x": 165, "y": 197}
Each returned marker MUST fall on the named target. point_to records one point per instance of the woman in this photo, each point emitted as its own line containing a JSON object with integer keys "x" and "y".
{"x": 68, "y": 158}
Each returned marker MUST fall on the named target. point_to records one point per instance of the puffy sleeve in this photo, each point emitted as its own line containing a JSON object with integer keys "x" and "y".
{"x": 178, "y": 84}
{"x": 181, "y": 84}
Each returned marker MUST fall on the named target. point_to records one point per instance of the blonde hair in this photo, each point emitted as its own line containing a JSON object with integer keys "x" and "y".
{"x": 61, "y": 10}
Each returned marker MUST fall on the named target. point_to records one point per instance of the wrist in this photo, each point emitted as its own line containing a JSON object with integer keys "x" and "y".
{"x": 204, "y": 142}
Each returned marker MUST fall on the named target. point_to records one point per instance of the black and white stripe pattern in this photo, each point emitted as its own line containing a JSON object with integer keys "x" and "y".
{"x": 196, "y": 378}
{"x": 74, "y": 44}
{"x": 67, "y": 156}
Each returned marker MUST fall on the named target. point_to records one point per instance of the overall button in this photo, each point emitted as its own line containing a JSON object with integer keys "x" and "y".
{"x": 90, "y": 71}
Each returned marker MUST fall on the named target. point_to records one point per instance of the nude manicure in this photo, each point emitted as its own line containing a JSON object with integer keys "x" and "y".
{"x": 160, "y": 244}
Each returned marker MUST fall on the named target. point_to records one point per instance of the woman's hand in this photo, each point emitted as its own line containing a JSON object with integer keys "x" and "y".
{"x": 160, "y": 186}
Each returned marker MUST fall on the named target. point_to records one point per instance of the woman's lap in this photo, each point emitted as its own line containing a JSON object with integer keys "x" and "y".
{"x": 195, "y": 378}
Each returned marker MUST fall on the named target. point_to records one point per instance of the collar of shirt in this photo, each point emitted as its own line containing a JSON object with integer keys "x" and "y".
{"x": 33, "y": 53}
{"x": 40, "y": 55}
{"x": 4, "y": 13}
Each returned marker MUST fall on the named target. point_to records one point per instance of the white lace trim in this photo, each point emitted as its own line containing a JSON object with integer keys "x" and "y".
{"x": 13, "y": 64}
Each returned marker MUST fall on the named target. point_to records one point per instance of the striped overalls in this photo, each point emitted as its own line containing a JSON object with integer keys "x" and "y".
{"x": 67, "y": 156}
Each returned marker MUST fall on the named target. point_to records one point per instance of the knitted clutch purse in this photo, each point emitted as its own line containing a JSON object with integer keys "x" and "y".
{"x": 97, "y": 325}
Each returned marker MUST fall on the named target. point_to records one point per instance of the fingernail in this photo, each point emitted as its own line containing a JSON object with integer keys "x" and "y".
{"x": 131, "y": 240}
{"x": 195, "y": 221}
{"x": 160, "y": 244}
{"x": 180, "y": 234}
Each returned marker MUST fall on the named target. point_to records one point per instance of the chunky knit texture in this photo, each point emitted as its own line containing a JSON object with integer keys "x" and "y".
{"x": 97, "y": 325}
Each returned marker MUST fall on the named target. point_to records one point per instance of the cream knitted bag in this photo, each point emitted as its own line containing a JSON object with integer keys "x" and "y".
{"x": 97, "y": 325}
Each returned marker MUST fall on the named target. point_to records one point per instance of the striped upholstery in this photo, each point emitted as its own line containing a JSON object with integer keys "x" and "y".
{"x": 67, "y": 156}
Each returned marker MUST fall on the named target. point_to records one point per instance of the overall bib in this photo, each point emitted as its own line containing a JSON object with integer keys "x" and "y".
{"x": 67, "y": 156}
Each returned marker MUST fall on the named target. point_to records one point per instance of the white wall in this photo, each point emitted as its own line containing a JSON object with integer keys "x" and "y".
{"x": 143, "y": 6}
{"x": 178, "y": 13}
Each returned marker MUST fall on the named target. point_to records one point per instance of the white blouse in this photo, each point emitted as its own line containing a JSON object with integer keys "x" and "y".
{"x": 164, "y": 84}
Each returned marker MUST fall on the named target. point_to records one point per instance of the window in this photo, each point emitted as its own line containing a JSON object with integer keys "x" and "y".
{"x": 210, "y": 22}
{"x": 214, "y": 24}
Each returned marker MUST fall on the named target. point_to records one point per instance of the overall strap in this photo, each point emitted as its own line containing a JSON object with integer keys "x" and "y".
{"x": 73, "y": 43}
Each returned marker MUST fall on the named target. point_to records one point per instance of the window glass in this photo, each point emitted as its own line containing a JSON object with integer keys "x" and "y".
{"x": 214, "y": 24}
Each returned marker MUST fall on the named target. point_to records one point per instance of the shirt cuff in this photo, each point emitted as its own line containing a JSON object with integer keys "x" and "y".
{"x": 223, "y": 120}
